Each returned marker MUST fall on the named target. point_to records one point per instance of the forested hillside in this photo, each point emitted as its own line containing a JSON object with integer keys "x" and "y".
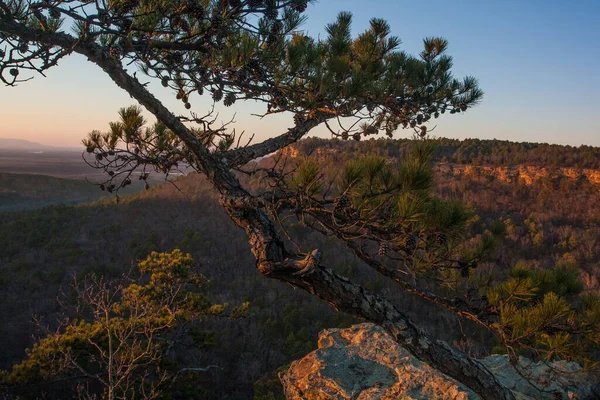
{"x": 473, "y": 151}
{"x": 547, "y": 196}
{"x": 43, "y": 249}
{"x": 25, "y": 191}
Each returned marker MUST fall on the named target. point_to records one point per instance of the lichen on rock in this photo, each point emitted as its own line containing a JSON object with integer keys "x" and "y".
{"x": 363, "y": 362}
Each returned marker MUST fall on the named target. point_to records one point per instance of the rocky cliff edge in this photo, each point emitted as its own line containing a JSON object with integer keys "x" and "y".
{"x": 363, "y": 362}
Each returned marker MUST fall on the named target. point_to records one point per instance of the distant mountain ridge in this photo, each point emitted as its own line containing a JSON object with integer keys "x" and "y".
{"x": 468, "y": 151}
{"x": 21, "y": 144}
{"x": 29, "y": 191}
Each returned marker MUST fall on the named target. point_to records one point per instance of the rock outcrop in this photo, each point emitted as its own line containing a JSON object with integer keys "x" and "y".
{"x": 363, "y": 362}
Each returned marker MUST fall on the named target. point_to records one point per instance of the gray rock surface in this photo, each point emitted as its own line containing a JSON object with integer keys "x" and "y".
{"x": 363, "y": 362}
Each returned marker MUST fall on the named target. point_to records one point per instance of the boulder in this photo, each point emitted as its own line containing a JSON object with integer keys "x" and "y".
{"x": 363, "y": 362}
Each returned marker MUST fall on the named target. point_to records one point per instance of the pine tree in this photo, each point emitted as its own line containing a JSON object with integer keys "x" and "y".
{"x": 357, "y": 87}
{"x": 124, "y": 331}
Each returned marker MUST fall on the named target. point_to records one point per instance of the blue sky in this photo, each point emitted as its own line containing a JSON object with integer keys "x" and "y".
{"x": 537, "y": 61}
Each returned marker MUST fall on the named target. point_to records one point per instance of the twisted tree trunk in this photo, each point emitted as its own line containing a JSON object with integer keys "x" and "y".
{"x": 272, "y": 259}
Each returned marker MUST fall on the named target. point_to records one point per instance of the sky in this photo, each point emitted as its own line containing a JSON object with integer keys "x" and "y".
{"x": 536, "y": 60}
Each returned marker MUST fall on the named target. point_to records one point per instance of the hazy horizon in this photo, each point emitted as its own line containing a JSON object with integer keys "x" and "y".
{"x": 397, "y": 136}
{"x": 533, "y": 61}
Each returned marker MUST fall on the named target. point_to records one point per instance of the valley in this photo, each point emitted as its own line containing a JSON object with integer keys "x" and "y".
{"x": 548, "y": 216}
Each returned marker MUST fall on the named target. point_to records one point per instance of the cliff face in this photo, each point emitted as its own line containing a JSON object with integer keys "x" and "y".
{"x": 511, "y": 173}
{"x": 363, "y": 362}
{"x": 528, "y": 174}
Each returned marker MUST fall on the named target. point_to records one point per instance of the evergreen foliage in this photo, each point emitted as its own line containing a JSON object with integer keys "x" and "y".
{"x": 395, "y": 222}
{"x": 543, "y": 312}
{"x": 123, "y": 332}
{"x": 387, "y": 205}
{"x": 385, "y": 213}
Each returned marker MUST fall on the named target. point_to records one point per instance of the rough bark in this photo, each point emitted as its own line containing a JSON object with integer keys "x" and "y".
{"x": 244, "y": 155}
{"x": 271, "y": 256}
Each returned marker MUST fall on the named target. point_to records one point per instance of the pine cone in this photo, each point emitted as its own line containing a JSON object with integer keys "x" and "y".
{"x": 126, "y": 24}
{"x": 131, "y": 4}
{"x": 195, "y": 9}
{"x": 253, "y": 64}
{"x": 299, "y": 5}
{"x": 229, "y": 99}
{"x": 271, "y": 11}
{"x": 216, "y": 20}
{"x": 371, "y": 130}
{"x": 103, "y": 16}
{"x": 116, "y": 50}
{"x": 242, "y": 75}
{"x": 272, "y": 39}
{"x": 383, "y": 249}
{"x": 298, "y": 119}
{"x": 441, "y": 239}
{"x": 255, "y": 3}
{"x": 177, "y": 57}
{"x": 411, "y": 242}
{"x": 277, "y": 27}
{"x": 217, "y": 95}
{"x": 54, "y": 13}
{"x": 344, "y": 202}
{"x": 281, "y": 101}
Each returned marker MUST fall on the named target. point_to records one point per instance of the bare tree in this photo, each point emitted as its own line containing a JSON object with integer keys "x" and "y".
{"x": 123, "y": 333}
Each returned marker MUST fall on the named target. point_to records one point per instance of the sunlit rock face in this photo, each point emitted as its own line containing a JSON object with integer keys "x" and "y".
{"x": 363, "y": 362}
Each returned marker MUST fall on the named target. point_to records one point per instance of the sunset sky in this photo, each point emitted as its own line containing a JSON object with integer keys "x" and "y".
{"x": 537, "y": 61}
